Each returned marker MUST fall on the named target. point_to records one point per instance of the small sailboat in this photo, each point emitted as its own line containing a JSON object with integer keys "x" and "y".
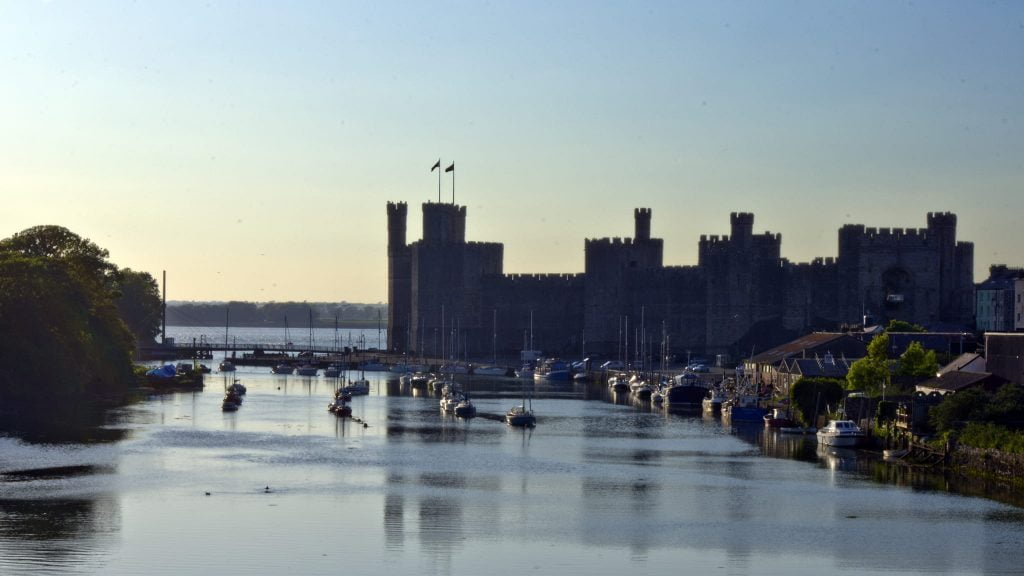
{"x": 227, "y": 365}
{"x": 522, "y": 415}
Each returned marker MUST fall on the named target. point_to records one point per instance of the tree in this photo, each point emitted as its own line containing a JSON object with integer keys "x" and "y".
{"x": 808, "y": 395}
{"x": 917, "y": 362}
{"x": 60, "y": 331}
{"x": 872, "y": 372}
{"x": 139, "y": 303}
{"x": 964, "y": 406}
{"x": 903, "y": 326}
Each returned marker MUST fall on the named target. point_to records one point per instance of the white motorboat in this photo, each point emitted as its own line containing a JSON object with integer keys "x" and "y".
{"x": 841, "y": 434}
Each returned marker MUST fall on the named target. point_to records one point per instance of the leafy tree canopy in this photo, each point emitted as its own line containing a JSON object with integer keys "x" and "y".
{"x": 60, "y": 330}
{"x": 903, "y": 326}
{"x": 139, "y": 303}
{"x": 871, "y": 373}
{"x": 808, "y": 395}
{"x": 917, "y": 362}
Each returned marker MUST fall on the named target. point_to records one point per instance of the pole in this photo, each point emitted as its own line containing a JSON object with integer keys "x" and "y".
{"x": 438, "y": 180}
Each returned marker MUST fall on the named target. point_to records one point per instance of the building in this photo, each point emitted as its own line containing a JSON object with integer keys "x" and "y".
{"x": 1018, "y": 306}
{"x": 998, "y": 307}
{"x": 450, "y": 296}
{"x": 1004, "y": 356}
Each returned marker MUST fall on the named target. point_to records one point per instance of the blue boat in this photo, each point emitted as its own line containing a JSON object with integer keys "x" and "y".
{"x": 743, "y": 409}
{"x": 553, "y": 369}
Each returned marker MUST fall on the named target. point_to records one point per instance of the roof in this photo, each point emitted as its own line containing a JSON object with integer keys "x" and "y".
{"x": 819, "y": 367}
{"x": 956, "y": 381}
{"x": 969, "y": 362}
{"x": 807, "y": 345}
{"x": 939, "y": 341}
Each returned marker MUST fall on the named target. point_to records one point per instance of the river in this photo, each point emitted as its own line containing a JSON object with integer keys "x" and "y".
{"x": 172, "y": 485}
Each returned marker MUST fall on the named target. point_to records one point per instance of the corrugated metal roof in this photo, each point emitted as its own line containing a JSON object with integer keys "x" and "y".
{"x": 798, "y": 347}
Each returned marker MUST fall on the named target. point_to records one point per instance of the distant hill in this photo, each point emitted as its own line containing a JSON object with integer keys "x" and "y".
{"x": 276, "y": 314}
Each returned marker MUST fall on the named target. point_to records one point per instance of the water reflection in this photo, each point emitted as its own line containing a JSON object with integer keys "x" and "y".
{"x": 57, "y": 535}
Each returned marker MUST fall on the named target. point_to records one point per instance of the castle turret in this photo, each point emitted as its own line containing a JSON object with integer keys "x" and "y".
{"x": 642, "y": 218}
{"x": 742, "y": 228}
{"x": 399, "y": 279}
{"x": 444, "y": 223}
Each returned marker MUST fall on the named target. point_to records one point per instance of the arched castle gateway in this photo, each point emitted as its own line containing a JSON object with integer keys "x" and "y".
{"x": 741, "y": 295}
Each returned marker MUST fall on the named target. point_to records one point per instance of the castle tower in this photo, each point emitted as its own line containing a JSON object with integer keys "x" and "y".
{"x": 642, "y": 224}
{"x": 742, "y": 228}
{"x": 444, "y": 223}
{"x": 399, "y": 279}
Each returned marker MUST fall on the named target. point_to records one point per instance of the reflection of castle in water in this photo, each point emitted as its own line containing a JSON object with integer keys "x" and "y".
{"x": 741, "y": 293}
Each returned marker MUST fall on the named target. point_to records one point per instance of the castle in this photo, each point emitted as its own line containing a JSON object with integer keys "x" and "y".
{"x": 445, "y": 293}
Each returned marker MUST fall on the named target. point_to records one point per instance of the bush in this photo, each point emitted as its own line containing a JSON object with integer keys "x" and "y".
{"x": 992, "y": 437}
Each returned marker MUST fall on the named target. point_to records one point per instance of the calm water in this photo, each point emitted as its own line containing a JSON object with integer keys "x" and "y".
{"x": 597, "y": 488}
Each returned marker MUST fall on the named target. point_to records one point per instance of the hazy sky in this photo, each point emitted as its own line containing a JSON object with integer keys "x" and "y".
{"x": 250, "y": 148}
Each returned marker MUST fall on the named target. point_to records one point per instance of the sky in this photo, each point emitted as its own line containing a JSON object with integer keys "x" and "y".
{"x": 250, "y": 148}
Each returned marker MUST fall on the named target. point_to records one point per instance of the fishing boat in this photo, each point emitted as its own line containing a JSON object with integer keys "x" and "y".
{"x": 743, "y": 409}
{"x": 553, "y": 369}
{"x": 841, "y": 434}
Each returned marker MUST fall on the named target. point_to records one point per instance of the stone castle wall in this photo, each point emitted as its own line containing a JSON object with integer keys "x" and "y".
{"x": 742, "y": 295}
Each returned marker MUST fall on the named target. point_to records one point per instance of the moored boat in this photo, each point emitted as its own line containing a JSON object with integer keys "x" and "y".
{"x": 284, "y": 369}
{"x": 841, "y": 434}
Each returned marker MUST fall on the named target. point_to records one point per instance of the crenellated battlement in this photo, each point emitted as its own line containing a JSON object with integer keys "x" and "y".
{"x": 943, "y": 219}
{"x": 895, "y": 237}
{"x": 607, "y": 242}
{"x": 397, "y": 209}
{"x": 557, "y": 279}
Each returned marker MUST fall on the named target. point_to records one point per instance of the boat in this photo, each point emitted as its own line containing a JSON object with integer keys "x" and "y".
{"x": 237, "y": 387}
{"x": 777, "y": 419}
{"x": 454, "y": 369}
{"x": 419, "y": 381}
{"x": 797, "y": 429}
{"x": 339, "y": 405}
{"x": 525, "y": 371}
{"x": 332, "y": 371}
{"x": 465, "y": 408}
{"x": 640, "y": 389}
{"x": 841, "y": 434}
{"x": 283, "y": 369}
{"x": 686, "y": 395}
{"x": 230, "y": 404}
{"x": 490, "y": 371}
{"x": 618, "y": 383}
{"x": 658, "y": 395}
{"x": 712, "y": 402}
{"x": 522, "y": 415}
{"x": 743, "y": 409}
{"x": 553, "y": 369}
{"x": 226, "y": 365}
{"x": 307, "y": 370}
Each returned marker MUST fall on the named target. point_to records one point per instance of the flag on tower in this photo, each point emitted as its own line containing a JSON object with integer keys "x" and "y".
{"x": 436, "y": 165}
{"x": 450, "y": 168}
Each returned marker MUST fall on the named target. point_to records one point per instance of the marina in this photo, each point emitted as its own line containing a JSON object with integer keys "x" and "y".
{"x": 619, "y": 485}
